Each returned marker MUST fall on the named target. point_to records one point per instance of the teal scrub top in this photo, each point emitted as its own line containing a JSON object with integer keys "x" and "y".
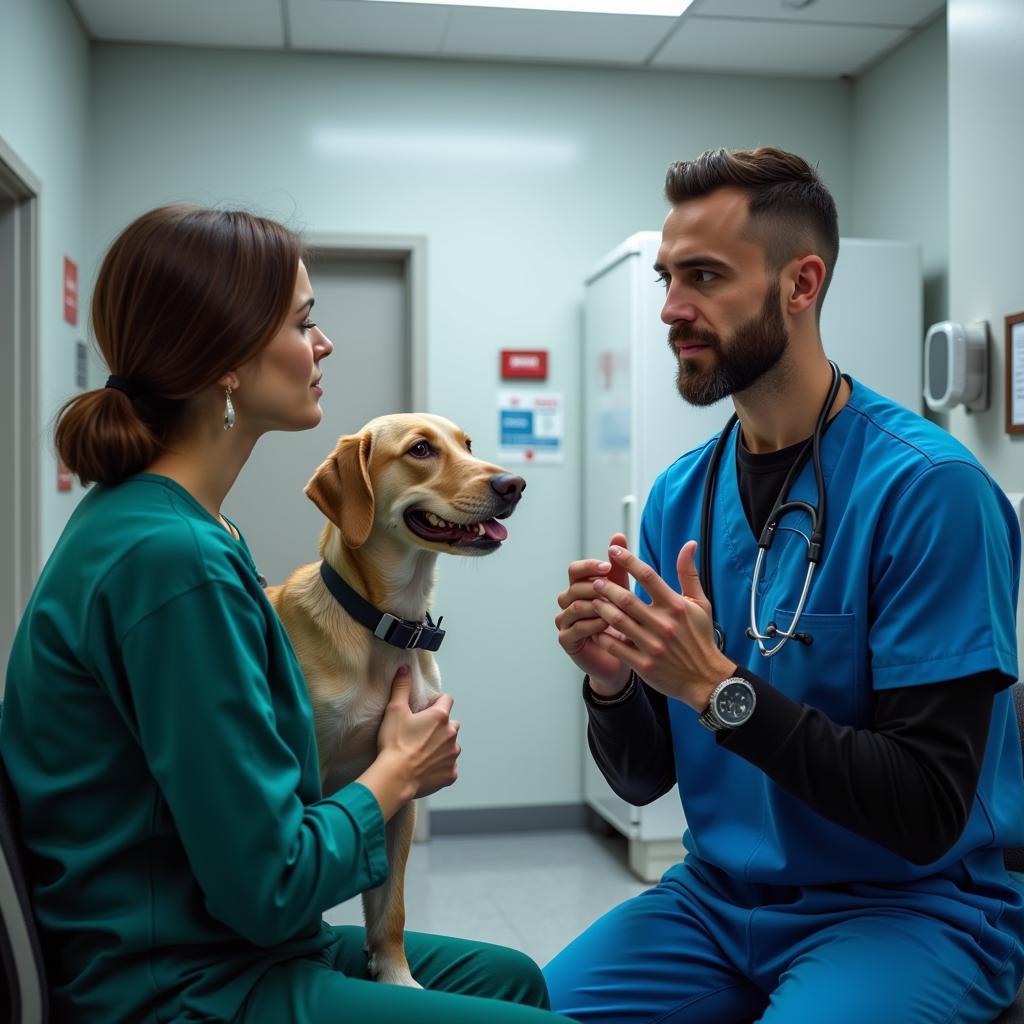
{"x": 159, "y": 737}
{"x": 917, "y": 584}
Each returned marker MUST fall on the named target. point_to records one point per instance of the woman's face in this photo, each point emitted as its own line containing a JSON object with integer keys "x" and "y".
{"x": 279, "y": 389}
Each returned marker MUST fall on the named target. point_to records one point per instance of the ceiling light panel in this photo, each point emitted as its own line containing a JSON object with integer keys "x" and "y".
{"x": 554, "y": 36}
{"x": 352, "y": 27}
{"x": 662, "y": 8}
{"x": 789, "y": 48}
{"x": 900, "y": 13}
{"x": 245, "y": 23}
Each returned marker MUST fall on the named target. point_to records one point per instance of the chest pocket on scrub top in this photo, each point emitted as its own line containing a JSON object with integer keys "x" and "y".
{"x": 827, "y": 674}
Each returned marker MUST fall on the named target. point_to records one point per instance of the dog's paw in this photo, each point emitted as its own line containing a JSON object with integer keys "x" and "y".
{"x": 388, "y": 972}
{"x": 398, "y": 977}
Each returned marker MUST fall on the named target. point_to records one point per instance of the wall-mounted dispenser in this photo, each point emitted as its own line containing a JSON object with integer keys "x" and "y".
{"x": 956, "y": 366}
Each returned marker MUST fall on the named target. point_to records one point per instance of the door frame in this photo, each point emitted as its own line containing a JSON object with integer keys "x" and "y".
{"x": 21, "y": 187}
{"x": 411, "y": 252}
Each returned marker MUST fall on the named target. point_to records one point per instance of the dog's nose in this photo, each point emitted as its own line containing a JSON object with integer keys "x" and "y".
{"x": 507, "y": 486}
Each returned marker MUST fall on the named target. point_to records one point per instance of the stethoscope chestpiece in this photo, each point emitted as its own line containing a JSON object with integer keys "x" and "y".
{"x": 772, "y": 631}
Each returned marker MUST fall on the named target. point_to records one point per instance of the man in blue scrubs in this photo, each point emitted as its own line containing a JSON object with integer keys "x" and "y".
{"x": 848, "y": 798}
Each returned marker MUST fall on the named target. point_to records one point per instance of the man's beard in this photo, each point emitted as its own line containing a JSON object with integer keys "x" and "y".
{"x": 755, "y": 348}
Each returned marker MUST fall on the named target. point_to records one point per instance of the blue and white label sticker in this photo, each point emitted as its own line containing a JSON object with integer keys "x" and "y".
{"x": 530, "y": 426}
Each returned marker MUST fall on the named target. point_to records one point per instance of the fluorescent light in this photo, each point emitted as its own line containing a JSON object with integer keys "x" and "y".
{"x": 665, "y": 8}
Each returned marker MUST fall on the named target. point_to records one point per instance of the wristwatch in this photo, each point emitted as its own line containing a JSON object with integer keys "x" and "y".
{"x": 731, "y": 704}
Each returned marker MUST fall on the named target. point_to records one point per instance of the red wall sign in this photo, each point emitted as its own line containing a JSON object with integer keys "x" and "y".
{"x": 70, "y": 291}
{"x": 519, "y": 363}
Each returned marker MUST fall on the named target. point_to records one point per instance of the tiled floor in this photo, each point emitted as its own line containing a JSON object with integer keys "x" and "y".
{"x": 532, "y": 891}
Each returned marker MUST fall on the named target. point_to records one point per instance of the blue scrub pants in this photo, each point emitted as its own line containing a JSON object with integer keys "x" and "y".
{"x": 700, "y": 948}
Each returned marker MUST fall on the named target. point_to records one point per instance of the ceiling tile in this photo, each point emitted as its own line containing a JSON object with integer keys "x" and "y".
{"x": 901, "y": 13}
{"x": 554, "y": 35}
{"x": 248, "y": 23}
{"x": 775, "y": 47}
{"x": 351, "y": 26}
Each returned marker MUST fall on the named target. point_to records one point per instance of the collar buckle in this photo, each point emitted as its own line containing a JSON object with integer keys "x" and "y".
{"x": 384, "y": 627}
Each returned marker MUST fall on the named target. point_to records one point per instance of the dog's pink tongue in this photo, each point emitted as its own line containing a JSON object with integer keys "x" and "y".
{"x": 495, "y": 530}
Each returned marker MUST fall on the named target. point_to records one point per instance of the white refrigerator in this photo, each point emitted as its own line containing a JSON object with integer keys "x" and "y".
{"x": 636, "y": 424}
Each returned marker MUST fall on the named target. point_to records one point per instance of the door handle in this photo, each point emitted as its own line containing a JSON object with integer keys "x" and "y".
{"x": 628, "y": 515}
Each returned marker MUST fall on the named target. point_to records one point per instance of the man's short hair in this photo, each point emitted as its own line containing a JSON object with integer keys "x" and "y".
{"x": 792, "y": 213}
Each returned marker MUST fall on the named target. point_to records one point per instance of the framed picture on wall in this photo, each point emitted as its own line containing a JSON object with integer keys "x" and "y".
{"x": 1015, "y": 374}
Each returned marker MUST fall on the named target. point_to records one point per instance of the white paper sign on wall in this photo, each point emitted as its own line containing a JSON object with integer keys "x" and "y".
{"x": 531, "y": 427}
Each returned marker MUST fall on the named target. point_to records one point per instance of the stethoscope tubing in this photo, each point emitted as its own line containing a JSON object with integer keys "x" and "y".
{"x": 815, "y": 541}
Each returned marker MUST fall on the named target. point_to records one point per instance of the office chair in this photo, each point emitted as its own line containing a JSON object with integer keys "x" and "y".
{"x": 23, "y": 985}
{"x": 1015, "y": 862}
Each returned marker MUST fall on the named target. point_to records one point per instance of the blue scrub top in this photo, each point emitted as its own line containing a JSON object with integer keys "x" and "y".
{"x": 917, "y": 585}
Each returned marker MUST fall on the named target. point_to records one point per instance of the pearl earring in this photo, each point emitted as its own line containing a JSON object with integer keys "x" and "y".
{"x": 229, "y": 410}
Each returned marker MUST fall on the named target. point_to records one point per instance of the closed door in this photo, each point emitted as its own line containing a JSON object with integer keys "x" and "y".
{"x": 19, "y": 431}
{"x": 362, "y": 305}
{"x": 9, "y": 429}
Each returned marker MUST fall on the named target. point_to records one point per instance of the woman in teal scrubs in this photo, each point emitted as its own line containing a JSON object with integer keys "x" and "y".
{"x": 156, "y": 727}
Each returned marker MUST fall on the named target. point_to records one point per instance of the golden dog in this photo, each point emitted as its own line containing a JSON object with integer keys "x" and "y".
{"x": 403, "y": 490}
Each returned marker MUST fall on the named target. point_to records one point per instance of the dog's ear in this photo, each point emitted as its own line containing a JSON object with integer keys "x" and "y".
{"x": 341, "y": 489}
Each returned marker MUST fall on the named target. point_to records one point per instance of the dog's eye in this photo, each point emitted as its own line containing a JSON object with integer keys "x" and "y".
{"x": 421, "y": 450}
{"x": 469, "y": 445}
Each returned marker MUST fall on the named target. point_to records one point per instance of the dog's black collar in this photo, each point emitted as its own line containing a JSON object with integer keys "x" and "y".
{"x": 425, "y": 636}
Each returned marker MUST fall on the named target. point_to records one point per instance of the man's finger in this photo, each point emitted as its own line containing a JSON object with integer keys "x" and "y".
{"x": 618, "y": 573}
{"x": 583, "y": 591}
{"x": 574, "y": 613}
{"x": 582, "y": 630}
{"x": 689, "y": 577}
{"x": 640, "y": 571}
{"x": 639, "y": 633}
{"x": 624, "y": 598}
{"x": 623, "y": 650}
{"x": 587, "y": 567}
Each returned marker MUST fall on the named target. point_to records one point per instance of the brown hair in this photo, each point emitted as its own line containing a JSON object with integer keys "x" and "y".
{"x": 184, "y": 295}
{"x": 791, "y": 210}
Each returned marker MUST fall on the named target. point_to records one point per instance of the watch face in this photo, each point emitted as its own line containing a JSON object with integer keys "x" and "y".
{"x": 735, "y": 702}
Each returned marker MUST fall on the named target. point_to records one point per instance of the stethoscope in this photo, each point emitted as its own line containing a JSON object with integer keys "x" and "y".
{"x": 815, "y": 541}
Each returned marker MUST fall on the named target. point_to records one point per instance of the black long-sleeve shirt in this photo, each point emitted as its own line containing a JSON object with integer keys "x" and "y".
{"x": 908, "y": 782}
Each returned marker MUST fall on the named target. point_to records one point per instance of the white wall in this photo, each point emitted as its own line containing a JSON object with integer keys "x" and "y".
{"x": 986, "y": 154}
{"x": 44, "y": 118}
{"x": 520, "y": 177}
{"x": 900, "y": 148}
{"x": 936, "y": 158}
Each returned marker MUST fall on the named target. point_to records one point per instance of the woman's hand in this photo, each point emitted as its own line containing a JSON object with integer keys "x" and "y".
{"x": 417, "y": 750}
{"x": 425, "y": 740}
{"x": 579, "y": 623}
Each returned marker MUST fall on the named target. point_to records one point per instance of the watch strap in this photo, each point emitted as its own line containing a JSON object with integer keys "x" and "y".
{"x": 709, "y": 717}
{"x": 710, "y": 720}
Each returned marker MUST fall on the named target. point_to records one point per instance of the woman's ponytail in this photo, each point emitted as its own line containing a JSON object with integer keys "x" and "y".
{"x": 100, "y": 437}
